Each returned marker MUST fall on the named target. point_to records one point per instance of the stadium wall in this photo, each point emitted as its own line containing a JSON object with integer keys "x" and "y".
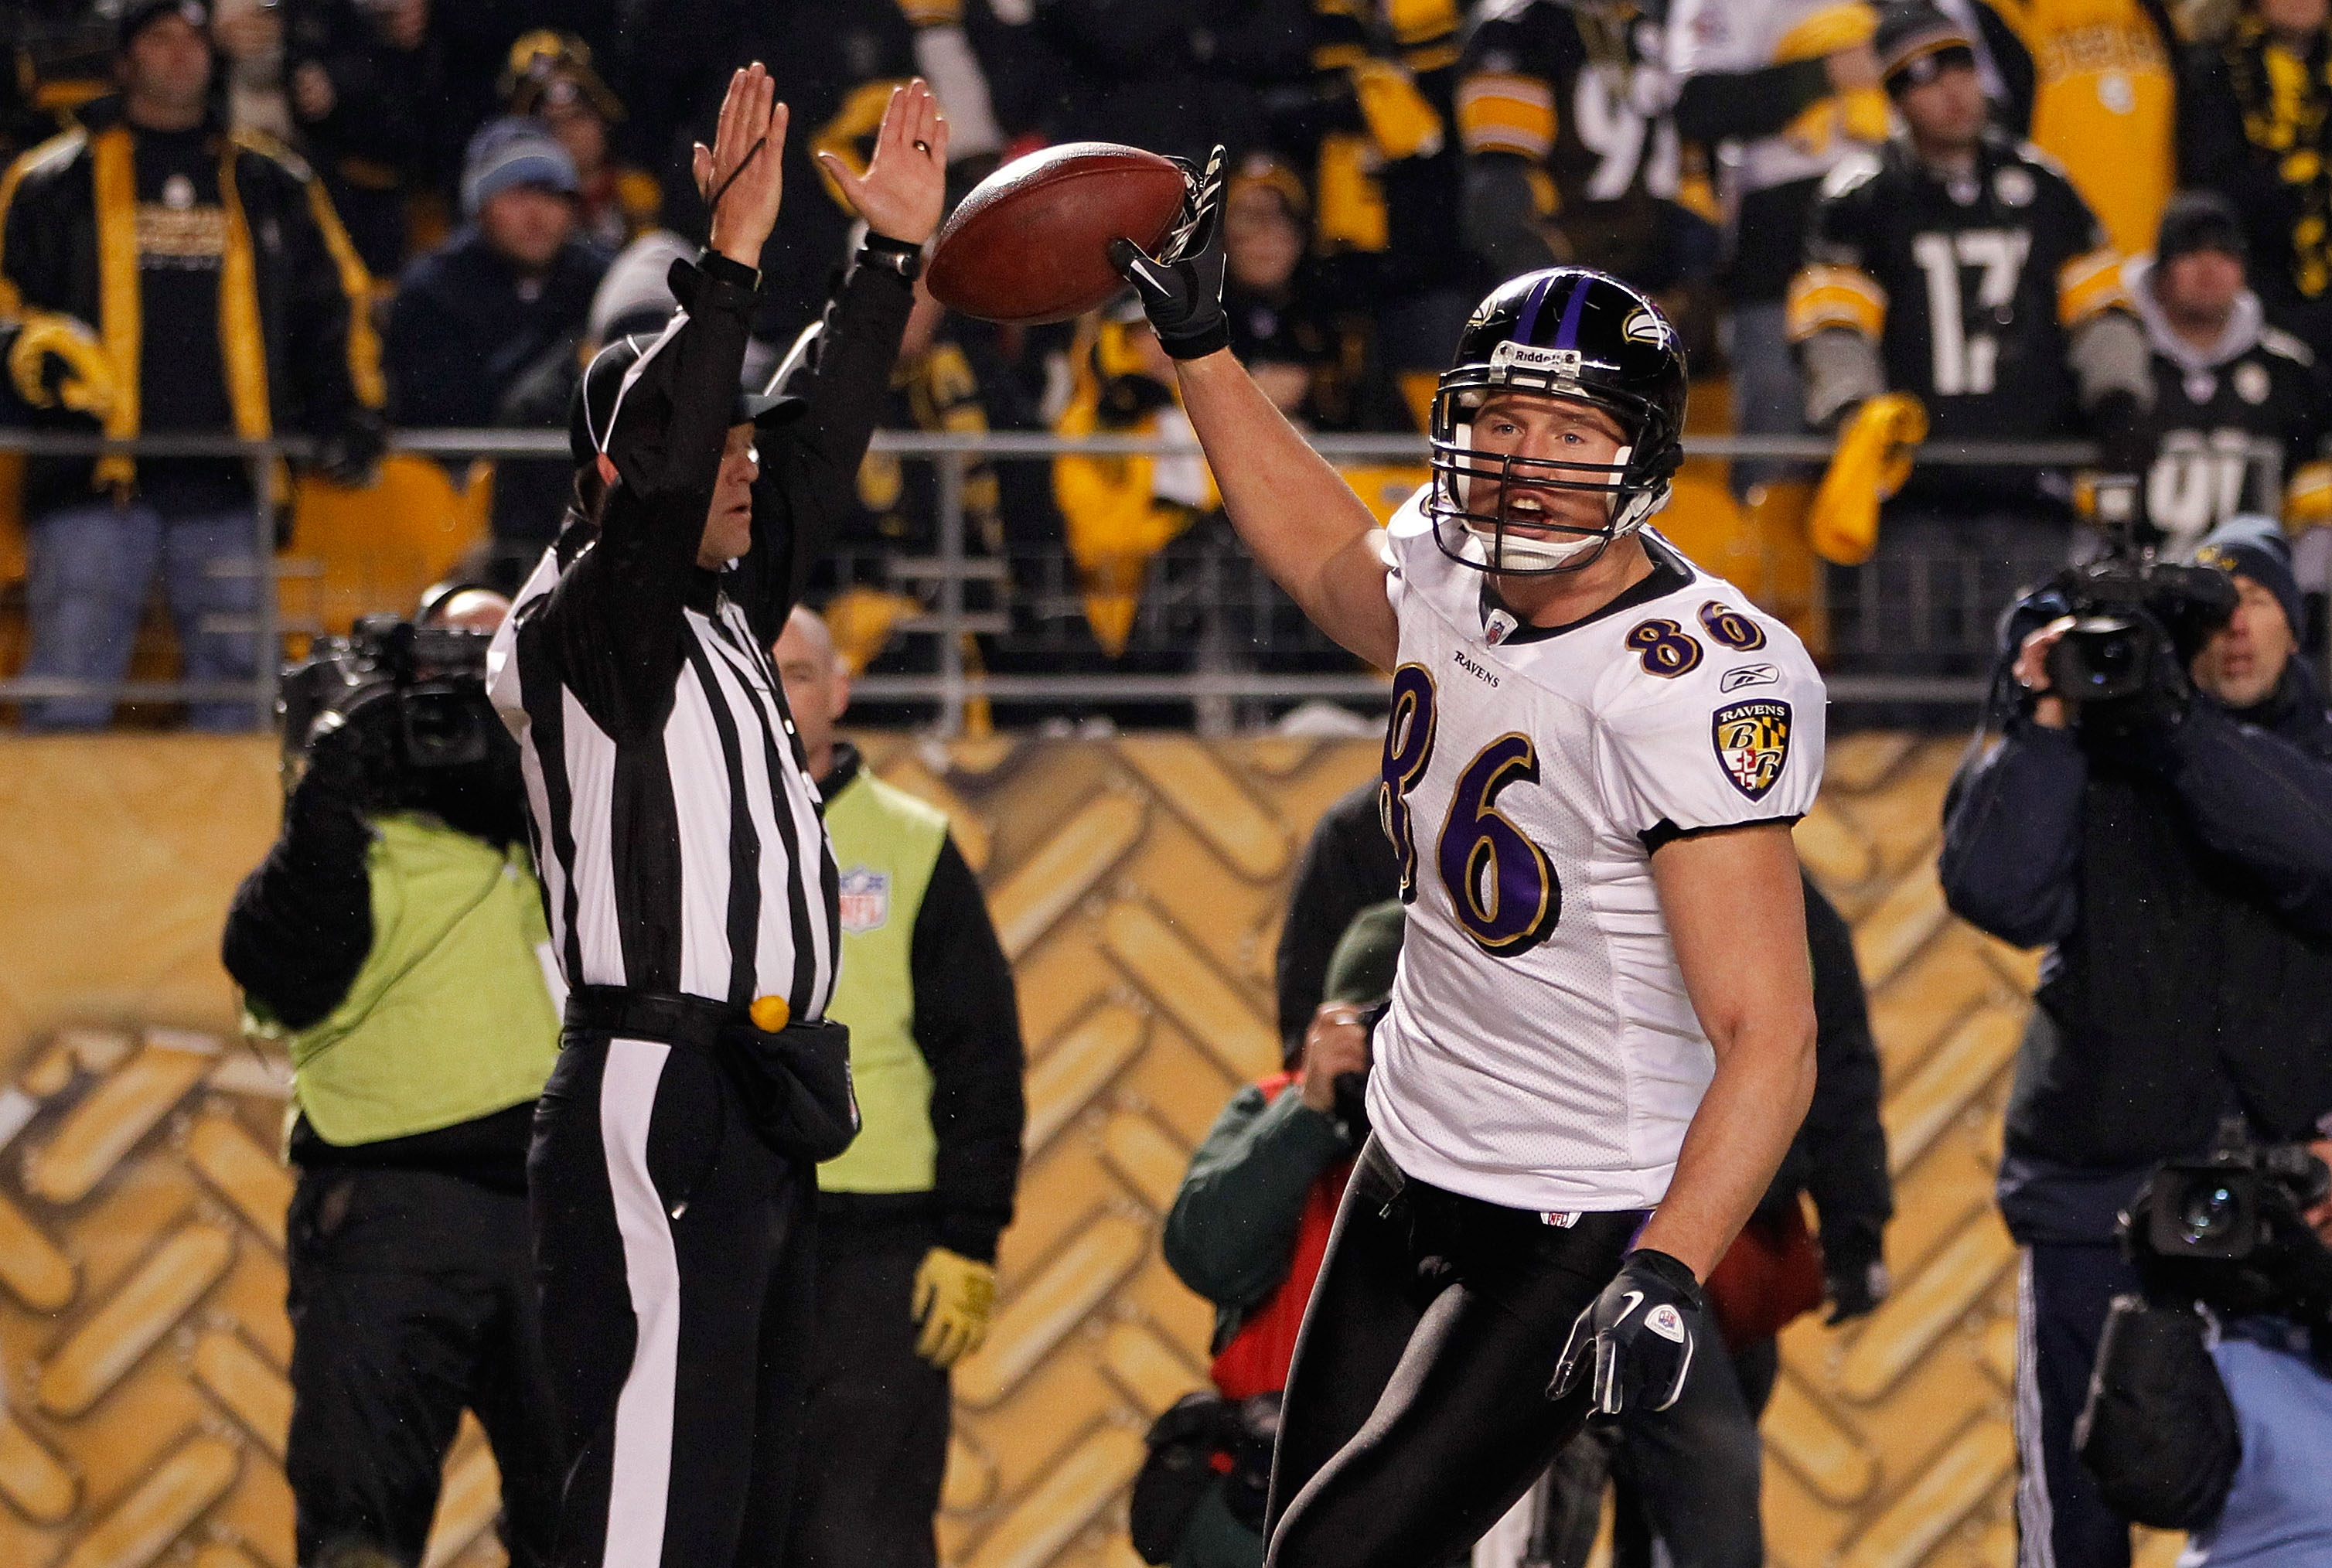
{"x": 1138, "y": 885}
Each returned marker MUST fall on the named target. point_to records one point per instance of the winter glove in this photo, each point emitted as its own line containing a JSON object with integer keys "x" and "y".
{"x": 1639, "y": 1335}
{"x": 350, "y": 456}
{"x": 2117, "y": 423}
{"x": 57, "y": 362}
{"x": 954, "y": 1297}
{"x": 1181, "y": 287}
{"x": 1854, "y": 1279}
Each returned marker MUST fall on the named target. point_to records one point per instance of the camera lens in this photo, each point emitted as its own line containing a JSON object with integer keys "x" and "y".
{"x": 2211, "y": 1209}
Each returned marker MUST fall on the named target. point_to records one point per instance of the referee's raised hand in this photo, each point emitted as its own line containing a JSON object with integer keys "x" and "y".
{"x": 742, "y": 176}
{"x": 905, "y": 184}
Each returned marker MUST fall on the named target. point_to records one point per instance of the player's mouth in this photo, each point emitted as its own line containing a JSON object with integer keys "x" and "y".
{"x": 1540, "y": 513}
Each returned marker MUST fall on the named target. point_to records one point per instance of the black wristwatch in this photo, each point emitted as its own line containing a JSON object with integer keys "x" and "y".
{"x": 892, "y": 255}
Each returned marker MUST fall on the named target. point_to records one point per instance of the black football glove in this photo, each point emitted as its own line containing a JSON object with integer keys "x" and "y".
{"x": 1181, "y": 287}
{"x": 1638, "y": 1336}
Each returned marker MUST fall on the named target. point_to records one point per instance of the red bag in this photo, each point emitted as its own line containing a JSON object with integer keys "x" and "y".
{"x": 1771, "y": 1275}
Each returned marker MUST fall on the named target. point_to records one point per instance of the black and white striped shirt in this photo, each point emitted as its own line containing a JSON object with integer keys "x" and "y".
{"x": 686, "y": 857}
{"x": 677, "y": 830}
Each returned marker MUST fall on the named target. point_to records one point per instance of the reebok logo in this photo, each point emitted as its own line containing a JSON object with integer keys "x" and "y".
{"x": 1749, "y": 676}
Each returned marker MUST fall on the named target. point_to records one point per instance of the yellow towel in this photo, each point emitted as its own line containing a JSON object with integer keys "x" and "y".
{"x": 1872, "y": 460}
{"x": 1401, "y": 121}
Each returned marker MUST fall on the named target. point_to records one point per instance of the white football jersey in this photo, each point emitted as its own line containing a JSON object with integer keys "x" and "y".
{"x": 1540, "y": 1052}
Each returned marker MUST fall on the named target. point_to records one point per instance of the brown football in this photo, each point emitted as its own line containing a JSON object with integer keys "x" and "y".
{"x": 1030, "y": 244}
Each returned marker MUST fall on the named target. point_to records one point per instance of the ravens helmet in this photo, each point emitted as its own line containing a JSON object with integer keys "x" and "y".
{"x": 1569, "y": 333}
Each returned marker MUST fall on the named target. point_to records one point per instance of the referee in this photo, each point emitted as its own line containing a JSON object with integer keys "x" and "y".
{"x": 690, "y": 894}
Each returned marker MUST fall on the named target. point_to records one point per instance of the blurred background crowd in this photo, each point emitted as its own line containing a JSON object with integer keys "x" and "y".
{"x": 495, "y": 188}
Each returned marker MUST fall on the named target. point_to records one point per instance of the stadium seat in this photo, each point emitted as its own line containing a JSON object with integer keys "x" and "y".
{"x": 373, "y": 550}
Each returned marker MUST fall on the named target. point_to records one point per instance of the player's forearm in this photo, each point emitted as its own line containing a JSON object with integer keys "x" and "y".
{"x": 1764, "y": 1081}
{"x": 1296, "y": 514}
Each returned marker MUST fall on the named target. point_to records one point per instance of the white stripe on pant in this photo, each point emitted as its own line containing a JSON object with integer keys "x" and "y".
{"x": 644, "y": 1413}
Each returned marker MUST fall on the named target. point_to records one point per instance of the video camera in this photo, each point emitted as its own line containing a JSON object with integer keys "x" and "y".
{"x": 2230, "y": 1229}
{"x": 2129, "y": 611}
{"x": 417, "y": 694}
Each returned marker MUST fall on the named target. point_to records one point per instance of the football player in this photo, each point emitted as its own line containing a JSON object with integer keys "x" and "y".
{"x": 1966, "y": 269}
{"x": 1601, "y": 1039}
{"x": 2239, "y": 407}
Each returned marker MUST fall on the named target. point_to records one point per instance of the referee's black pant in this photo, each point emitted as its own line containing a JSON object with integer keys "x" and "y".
{"x": 675, "y": 1250}
{"x": 869, "y": 1488}
{"x": 1417, "y": 1412}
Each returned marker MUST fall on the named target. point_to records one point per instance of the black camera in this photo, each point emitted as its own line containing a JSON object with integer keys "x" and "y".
{"x": 2130, "y": 611}
{"x": 417, "y": 694}
{"x": 2230, "y": 1229}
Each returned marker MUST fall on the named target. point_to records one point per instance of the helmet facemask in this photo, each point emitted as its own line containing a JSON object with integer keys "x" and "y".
{"x": 1476, "y": 531}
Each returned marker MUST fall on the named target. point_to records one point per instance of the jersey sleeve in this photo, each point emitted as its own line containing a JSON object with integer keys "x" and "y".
{"x": 2088, "y": 269}
{"x": 1734, "y": 740}
{"x": 1507, "y": 81}
{"x": 1837, "y": 286}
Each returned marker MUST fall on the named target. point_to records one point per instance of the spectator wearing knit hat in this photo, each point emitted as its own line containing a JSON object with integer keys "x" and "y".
{"x": 504, "y": 300}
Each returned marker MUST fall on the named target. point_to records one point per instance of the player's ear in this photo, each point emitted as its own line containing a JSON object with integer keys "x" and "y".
{"x": 840, "y": 688}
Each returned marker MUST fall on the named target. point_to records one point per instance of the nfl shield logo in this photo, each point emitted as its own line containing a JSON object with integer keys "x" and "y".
{"x": 865, "y": 899}
{"x": 1753, "y": 741}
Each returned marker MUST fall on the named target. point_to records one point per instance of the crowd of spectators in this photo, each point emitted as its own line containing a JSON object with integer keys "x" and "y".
{"x": 489, "y": 168}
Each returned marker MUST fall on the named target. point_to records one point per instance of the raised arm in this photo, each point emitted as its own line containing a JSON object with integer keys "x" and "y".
{"x": 1296, "y": 515}
{"x": 835, "y": 385}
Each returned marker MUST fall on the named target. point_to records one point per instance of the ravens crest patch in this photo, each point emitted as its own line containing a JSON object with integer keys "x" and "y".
{"x": 1752, "y": 742}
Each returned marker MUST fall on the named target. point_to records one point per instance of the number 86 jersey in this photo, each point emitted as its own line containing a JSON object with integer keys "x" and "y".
{"x": 1540, "y": 1052}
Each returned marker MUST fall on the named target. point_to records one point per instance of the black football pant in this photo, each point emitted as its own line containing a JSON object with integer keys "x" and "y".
{"x": 1417, "y": 1410}
{"x": 675, "y": 1254}
{"x": 871, "y": 1482}
{"x": 1686, "y": 1477}
{"x": 412, "y": 1298}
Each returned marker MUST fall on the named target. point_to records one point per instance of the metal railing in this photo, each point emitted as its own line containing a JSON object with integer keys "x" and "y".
{"x": 953, "y": 684}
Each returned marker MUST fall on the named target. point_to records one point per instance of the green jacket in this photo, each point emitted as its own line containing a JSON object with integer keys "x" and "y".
{"x": 934, "y": 1024}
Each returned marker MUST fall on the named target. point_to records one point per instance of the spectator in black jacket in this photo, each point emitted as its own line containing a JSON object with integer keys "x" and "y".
{"x": 2174, "y": 855}
{"x": 241, "y": 312}
{"x": 2255, "y": 124}
{"x": 503, "y": 302}
{"x": 366, "y": 83}
{"x": 1348, "y": 865}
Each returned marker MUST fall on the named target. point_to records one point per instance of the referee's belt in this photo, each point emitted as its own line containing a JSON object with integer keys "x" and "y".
{"x": 695, "y": 1022}
{"x": 795, "y": 1081}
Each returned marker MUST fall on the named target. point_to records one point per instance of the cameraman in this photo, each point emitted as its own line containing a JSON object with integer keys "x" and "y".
{"x": 2174, "y": 850}
{"x": 2211, "y": 1409}
{"x": 392, "y": 940}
